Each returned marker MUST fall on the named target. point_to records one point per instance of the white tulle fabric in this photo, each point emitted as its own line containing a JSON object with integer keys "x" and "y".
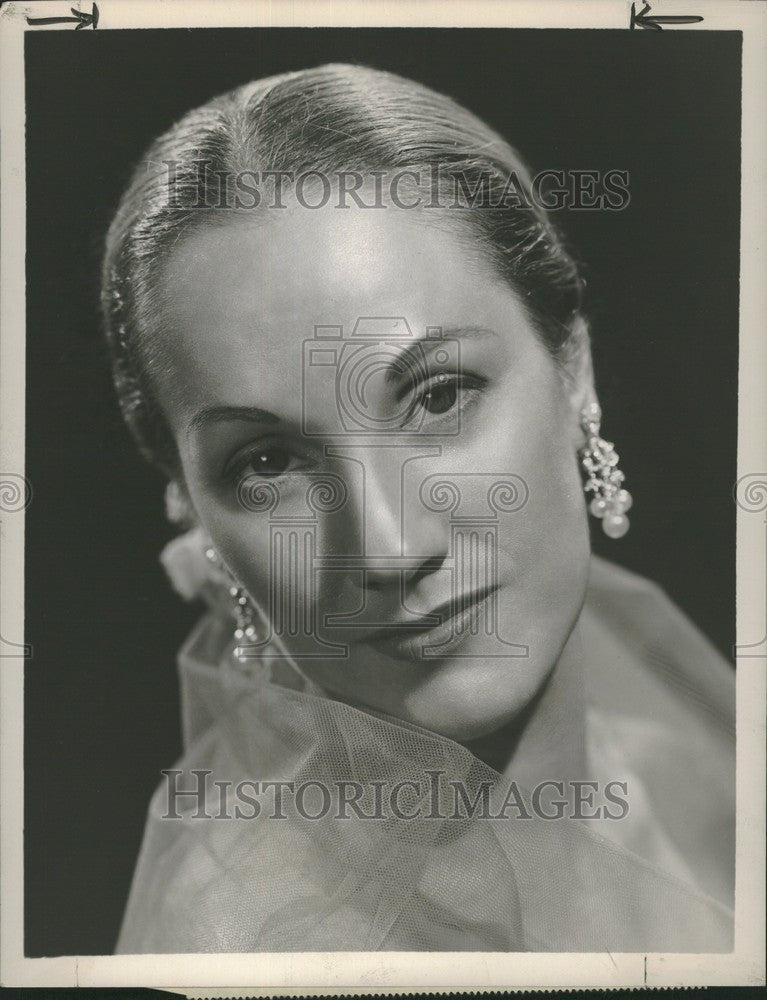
{"x": 660, "y": 716}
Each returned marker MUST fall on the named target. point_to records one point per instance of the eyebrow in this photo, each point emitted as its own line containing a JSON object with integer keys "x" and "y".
{"x": 433, "y": 343}
{"x": 222, "y": 414}
{"x": 254, "y": 414}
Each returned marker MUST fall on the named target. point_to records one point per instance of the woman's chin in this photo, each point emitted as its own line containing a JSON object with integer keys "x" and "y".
{"x": 461, "y": 730}
{"x": 468, "y": 710}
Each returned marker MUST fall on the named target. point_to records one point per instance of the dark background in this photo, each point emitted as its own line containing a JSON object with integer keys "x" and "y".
{"x": 101, "y": 696}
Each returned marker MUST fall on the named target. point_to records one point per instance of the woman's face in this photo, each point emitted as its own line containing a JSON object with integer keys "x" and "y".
{"x": 303, "y": 346}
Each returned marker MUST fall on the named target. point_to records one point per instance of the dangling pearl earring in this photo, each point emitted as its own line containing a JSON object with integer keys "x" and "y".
{"x": 177, "y": 508}
{"x": 244, "y": 614}
{"x": 600, "y": 463}
{"x": 244, "y": 630}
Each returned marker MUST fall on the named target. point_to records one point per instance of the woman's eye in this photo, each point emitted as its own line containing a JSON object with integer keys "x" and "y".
{"x": 441, "y": 396}
{"x": 446, "y": 393}
{"x": 265, "y": 462}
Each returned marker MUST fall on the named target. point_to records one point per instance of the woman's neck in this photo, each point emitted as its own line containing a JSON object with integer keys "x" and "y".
{"x": 548, "y": 740}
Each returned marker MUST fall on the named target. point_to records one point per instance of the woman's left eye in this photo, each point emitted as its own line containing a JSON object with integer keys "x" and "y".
{"x": 441, "y": 396}
{"x": 447, "y": 392}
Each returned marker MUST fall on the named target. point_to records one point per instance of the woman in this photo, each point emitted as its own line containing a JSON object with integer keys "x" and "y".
{"x": 418, "y": 714}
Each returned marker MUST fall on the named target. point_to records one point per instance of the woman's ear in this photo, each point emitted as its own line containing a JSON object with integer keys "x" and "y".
{"x": 579, "y": 376}
{"x": 179, "y": 508}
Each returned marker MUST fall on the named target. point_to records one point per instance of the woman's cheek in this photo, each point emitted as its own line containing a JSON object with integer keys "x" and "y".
{"x": 242, "y": 539}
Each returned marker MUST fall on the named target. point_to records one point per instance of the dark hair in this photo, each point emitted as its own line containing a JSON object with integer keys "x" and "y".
{"x": 332, "y": 118}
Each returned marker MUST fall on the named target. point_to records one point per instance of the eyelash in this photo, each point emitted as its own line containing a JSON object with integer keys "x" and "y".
{"x": 466, "y": 383}
{"x": 237, "y": 468}
{"x": 470, "y": 386}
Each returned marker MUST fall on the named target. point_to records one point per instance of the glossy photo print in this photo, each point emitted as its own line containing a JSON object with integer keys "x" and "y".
{"x": 381, "y": 468}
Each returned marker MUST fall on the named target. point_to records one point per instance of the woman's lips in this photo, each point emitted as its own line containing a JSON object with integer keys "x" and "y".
{"x": 460, "y": 619}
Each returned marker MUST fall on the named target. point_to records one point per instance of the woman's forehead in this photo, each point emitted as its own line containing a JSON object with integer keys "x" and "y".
{"x": 298, "y": 255}
{"x": 274, "y": 278}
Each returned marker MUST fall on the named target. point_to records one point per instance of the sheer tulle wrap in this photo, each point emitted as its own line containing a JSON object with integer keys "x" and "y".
{"x": 660, "y": 703}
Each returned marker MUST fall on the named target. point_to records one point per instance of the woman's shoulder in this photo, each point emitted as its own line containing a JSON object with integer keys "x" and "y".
{"x": 662, "y": 708}
{"x": 645, "y": 627}
{"x": 610, "y": 584}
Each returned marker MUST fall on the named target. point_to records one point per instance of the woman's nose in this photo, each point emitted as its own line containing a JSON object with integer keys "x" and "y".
{"x": 400, "y": 539}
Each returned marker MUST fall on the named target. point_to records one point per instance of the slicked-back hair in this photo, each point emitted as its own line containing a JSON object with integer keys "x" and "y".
{"x": 329, "y": 119}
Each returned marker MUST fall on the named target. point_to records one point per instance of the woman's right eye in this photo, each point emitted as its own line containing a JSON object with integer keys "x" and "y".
{"x": 265, "y": 462}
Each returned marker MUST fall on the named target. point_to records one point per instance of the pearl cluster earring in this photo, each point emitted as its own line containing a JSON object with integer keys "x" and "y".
{"x": 244, "y": 629}
{"x": 603, "y": 477}
{"x": 244, "y": 614}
